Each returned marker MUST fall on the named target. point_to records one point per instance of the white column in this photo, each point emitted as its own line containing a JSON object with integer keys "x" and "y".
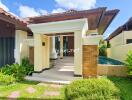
{"x": 46, "y": 52}
{"x": 53, "y": 54}
{"x": 38, "y": 54}
{"x": 21, "y": 48}
{"x": 78, "y": 53}
{"x": 61, "y": 46}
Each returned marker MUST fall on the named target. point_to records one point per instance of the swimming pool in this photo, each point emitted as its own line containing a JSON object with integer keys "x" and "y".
{"x": 109, "y": 61}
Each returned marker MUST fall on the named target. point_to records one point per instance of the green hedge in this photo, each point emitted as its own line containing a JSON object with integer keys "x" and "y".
{"x": 91, "y": 89}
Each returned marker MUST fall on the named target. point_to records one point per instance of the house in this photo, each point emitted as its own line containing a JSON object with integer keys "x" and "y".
{"x": 82, "y": 30}
{"x": 8, "y": 25}
{"x": 121, "y": 41}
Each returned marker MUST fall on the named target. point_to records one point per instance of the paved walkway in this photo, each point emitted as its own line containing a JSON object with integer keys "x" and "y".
{"x": 62, "y": 72}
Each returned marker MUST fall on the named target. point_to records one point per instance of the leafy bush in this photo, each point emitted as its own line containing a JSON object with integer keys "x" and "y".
{"x": 27, "y": 66}
{"x": 108, "y": 45}
{"x": 128, "y": 63}
{"x": 102, "y": 50}
{"x": 16, "y": 70}
{"x": 92, "y": 89}
{"x": 6, "y": 79}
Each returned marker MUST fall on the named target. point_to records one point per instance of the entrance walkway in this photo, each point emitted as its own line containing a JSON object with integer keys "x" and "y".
{"x": 62, "y": 72}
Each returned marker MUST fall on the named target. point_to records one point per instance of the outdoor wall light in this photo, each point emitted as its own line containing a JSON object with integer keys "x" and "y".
{"x": 43, "y": 43}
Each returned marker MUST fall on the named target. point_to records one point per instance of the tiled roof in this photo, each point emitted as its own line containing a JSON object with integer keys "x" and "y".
{"x": 2, "y": 11}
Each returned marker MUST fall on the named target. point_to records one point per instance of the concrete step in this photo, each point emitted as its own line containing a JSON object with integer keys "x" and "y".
{"x": 45, "y": 80}
{"x": 54, "y": 76}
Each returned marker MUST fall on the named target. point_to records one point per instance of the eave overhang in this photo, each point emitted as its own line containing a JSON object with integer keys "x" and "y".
{"x": 125, "y": 27}
{"x": 98, "y": 19}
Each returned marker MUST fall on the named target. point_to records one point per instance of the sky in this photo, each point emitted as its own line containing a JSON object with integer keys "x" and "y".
{"x": 29, "y": 8}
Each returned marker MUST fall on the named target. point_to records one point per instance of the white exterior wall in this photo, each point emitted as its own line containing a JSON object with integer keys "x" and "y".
{"x": 119, "y": 48}
{"x": 21, "y": 48}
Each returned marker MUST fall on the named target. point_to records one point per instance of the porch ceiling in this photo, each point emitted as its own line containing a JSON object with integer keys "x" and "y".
{"x": 64, "y": 34}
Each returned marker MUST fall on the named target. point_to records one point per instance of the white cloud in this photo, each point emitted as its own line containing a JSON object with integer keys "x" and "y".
{"x": 58, "y": 10}
{"x": 4, "y": 6}
{"x": 26, "y": 11}
{"x": 76, "y": 4}
{"x": 43, "y": 12}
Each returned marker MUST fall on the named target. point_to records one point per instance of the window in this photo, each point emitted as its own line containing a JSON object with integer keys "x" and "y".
{"x": 129, "y": 41}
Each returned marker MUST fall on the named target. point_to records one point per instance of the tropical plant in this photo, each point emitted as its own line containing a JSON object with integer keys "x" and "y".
{"x": 18, "y": 71}
{"x": 15, "y": 70}
{"x": 128, "y": 63}
{"x": 102, "y": 48}
{"x": 92, "y": 89}
{"x": 6, "y": 79}
{"x": 108, "y": 44}
{"x": 28, "y": 67}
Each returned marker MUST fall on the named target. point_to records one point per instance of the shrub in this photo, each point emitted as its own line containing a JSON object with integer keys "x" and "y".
{"x": 91, "y": 89}
{"x": 6, "y": 79}
{"x": 128, "y": 63}
{"x": 27, "y": 66}
{"x": 15, "y": 69}
{"x": 18, "y": 71}
{"x": 108, "y": 45}
{"x": 102, "y": 50}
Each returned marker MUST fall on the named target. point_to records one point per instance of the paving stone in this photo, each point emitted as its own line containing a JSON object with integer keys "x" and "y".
{"x": 51, "y": 93}
{"x": 56, "y": 86}
{"x": 31, "y": 90}
{"x": 14, "y": 94}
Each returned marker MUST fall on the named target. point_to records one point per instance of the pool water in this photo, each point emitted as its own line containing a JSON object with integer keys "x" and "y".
{"x": 104, "y": 60}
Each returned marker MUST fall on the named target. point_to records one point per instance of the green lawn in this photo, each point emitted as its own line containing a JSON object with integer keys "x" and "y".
{"x": 40, "y": 90}
{"x": 125, "y": 86}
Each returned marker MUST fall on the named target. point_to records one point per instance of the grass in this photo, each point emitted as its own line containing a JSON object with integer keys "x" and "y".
{"x": 125, "y": 86}
{"x": 5, "y": 91}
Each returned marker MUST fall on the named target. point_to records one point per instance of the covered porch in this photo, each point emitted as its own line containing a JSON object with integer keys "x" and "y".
{"x": 44, "y": 42}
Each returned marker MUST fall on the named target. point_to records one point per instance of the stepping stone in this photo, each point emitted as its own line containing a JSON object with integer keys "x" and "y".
{"x": 14, "y": 94}
{"x": 31, "y": 90}
{"x": 52, "y": 93}
{"x": 42, "y": 84}
{"x": 56, "y": 86}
